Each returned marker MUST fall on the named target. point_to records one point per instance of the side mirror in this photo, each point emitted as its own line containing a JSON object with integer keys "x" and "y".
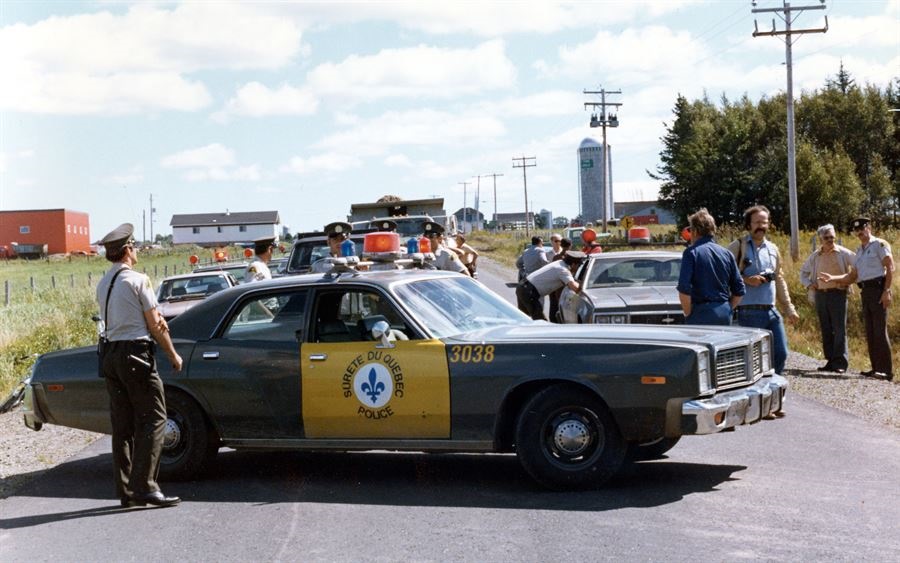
{"x": 381, "y": 330}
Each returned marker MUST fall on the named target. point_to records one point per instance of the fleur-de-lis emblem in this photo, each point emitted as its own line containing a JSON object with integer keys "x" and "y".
{"x": 374, "y": 387}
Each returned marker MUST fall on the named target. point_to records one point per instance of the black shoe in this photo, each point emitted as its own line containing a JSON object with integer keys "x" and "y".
{"x": 826, "y": 367}
{"x": 870, "y": 373}
{"x": 126, "y": 502}
{"x": 155, "y": 499}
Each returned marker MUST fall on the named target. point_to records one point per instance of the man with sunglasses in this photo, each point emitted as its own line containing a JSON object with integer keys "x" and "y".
{"x": 444, "y": 258}
{"x": 127, "y": 357}
{"x": 874, "y": 276}
{"x": 337, "y": 233}
{"x": 258, "y": 270}
{"x": 827, "y": 274}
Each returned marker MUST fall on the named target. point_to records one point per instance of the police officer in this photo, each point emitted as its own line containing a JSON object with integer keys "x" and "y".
{"x": 545, "y": 280}
{"x": 874, "y": 275}
{"x": 127, "y": 362}
{"x": 337, "y": 232}
{"x": 444, "y": 258}
{"x": 259, "y": 269}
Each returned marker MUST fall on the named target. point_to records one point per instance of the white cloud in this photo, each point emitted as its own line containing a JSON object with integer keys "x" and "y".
{"x": 325, "y": 162}
{"x": 542, "y": 104}
{"x": 417, "y": 127}
{"x": 213, "y": 162}
{"x": 256, "y": 100}
{"x": 125, "y": 63}
{"x": 414, "y": 72}
{"x": 398, "y": 160}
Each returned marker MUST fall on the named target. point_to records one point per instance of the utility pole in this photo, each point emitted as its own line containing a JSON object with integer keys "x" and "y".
{"x": 494, "y": 176}
{"x": 152, "y": 213}
{"x": 524, "y": 164}
{"x": 465, "y": 211}
{"x": 477, "y": 197}
{"x": 785, "y": 14}
{"x": 603, "y": 121}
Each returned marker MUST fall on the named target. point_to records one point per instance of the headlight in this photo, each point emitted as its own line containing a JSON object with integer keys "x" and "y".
{"x": 611, "y": 319}
{"x": 766, "y": 352}
{"x": 703, "y": 373}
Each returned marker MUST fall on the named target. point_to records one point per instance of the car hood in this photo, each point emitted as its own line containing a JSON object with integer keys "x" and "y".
{"x": 544, "y": 332}
{"x": 633, "y": 297}
{"x": 174, "y": 308}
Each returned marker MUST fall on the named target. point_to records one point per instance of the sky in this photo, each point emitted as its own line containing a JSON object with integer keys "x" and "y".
{"x": 307, "y": 107}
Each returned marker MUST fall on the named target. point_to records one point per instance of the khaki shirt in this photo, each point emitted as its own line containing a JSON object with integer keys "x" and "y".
{"x": 132, "y": 295}
{"x": 257, "y": 271}
{"x": 551, "y": 277}
{"x": 837, "y": 262}
{"x": 870, "y": 259}
{"x": 446, "y": 259}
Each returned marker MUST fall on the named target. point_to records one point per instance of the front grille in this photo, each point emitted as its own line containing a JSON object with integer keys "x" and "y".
{"x": 657, "y": 318}
{"x": 731, "y": 366}
{"x": 757, "y": 357}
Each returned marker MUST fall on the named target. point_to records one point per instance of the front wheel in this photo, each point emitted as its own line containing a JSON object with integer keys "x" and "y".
{"x": 566, "y": 439}
{"x": 189, "y": 443}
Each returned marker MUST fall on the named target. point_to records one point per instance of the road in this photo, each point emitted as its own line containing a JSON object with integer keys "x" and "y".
{"x": 818, "y": 484}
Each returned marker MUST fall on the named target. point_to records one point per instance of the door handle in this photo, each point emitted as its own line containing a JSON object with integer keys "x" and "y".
{"x": 318, "y": 357}
{"x": 210, "y": 355}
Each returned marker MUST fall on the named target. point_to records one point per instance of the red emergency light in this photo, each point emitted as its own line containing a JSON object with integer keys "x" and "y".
{"x": 379, "y": 243}
{"x": 220, "y": 256}
{"x": 248, "y": 253}
{"x": 194, "y": 259}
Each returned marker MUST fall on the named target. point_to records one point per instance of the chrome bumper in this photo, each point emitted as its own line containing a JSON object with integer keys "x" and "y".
{"x": 734, "y": 408}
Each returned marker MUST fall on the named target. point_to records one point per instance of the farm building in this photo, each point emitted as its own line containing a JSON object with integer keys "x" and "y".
{"x": 221, "y": 229}
{"x": 63, "y": 231}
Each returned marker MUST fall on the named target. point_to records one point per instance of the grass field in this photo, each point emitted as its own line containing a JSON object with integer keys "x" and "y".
{"x": 47, "y": 318}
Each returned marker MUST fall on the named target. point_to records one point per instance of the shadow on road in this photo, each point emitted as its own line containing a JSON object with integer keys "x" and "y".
{"x": 380, "y": 478}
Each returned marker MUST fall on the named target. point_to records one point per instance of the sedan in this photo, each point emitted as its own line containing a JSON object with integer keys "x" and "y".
{"x": 425, "y": 360}
{"x": 177, "y": 294}
{"x": 625, "y": 288}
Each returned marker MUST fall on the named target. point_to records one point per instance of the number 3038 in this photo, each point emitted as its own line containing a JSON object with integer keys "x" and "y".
{"x": 471, "y": 354}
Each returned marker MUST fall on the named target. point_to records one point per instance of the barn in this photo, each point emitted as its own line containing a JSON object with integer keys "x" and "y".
{"x": 63, "y": 231}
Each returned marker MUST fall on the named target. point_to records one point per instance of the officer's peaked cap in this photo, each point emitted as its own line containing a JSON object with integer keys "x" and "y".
{"x": 119, "y": 237}
{"x": 338, "y": 228}
{"x": 385, "y": 225}
{"x": 859, "y": 223}
{"x": 430, "y": 227}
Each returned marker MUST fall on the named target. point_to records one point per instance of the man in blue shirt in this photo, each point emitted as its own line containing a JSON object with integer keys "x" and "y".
{"x": 709, "y": 285}
{"x": 760, "y": 265}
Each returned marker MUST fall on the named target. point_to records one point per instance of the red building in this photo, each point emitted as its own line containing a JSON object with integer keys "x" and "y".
{"x": 63, "y": 231}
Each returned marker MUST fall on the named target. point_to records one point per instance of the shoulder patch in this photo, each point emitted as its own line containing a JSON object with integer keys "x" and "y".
{"x": 252, "y": 269}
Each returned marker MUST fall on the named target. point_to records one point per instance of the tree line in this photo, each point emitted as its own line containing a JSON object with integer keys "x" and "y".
{"x": 730, "y": 156}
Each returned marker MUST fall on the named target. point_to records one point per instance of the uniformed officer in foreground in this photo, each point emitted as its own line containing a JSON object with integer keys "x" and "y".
{"x": 444, "y": 258}
{"x": 874, "y": 275}
{"x": 128, "y": 364}
{"x": 337, "y": 233}
{"x": 258, "y": 270}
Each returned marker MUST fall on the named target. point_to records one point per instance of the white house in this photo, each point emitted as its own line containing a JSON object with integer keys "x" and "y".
{"x": 220, "y": 229}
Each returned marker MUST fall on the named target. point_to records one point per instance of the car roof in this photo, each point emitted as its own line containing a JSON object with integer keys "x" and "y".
{"x": 635, "y": 254}
{"x": 195, "y": 274}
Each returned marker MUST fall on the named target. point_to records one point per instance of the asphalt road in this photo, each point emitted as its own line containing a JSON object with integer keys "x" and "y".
{"x": 816, "y": 485}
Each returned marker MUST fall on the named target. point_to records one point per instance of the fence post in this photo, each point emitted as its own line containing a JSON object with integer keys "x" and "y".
{"x": 72, "y": 280}
{"x": 155, "y": 273}
{"x": 7, "y": 292}
{"x": 53, "y": 281}
{"x": 90, "y": 279}
{"x": 165, "y": 270}
{"x": 31, "y": 279}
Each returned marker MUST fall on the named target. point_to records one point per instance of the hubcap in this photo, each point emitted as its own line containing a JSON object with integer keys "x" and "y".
{"x": 571, "y": 437}
{"x": 171, "y": 435}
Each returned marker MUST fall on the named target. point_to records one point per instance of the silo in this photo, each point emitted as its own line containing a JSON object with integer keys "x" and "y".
{"x": 595, "y": 205}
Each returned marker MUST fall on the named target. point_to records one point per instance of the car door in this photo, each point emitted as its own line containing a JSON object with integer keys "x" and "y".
{"x": 570, "y": 301}
{"x": 354, "y": 386}
{"x": 249, "y": 374}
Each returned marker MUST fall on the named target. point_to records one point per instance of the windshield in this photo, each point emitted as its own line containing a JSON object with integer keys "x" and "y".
{"x": 191, "y": 288}
{"x": 306, "y": 254}
{"x": 449, "y": 306}
{"x": 661, "y": 270}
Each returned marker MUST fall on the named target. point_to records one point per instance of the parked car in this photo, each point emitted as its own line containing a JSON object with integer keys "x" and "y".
{"x": 425, "y": 360}
{"x": 177, "y": 294}
{"x": 636, "y": 287}
{"x": 236, "y": 269}
{"x": 310, "y": 247}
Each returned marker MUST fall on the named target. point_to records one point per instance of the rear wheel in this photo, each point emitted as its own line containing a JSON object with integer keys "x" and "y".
{"x": 566, "y": 439}
{"x": 189, "y": 443}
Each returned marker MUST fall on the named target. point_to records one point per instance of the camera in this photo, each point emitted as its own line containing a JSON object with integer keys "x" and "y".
{"x": 768, "y": 275}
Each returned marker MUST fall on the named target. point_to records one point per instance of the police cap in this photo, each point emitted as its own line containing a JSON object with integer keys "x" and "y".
{"x": 859, "y": 223}
{"x": 385, "y": 225}
{"x": 118, "y": 237}
{"x": 431, "y": 228}
{"x": 573, "y": 256}
{"x": 260, "y": 245}
{"x": 338, "y": 229}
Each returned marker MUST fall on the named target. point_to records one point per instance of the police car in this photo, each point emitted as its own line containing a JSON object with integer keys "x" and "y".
{"x": 425, "y": 360}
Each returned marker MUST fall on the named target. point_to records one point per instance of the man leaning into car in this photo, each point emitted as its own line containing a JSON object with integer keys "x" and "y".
{"x": 127, "y": 362}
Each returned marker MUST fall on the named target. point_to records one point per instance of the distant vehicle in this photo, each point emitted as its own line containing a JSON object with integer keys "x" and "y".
{"x": 177, "y": 294}
{"x": 312, "y": 246}
{"x": 236, "y": 269}
{"x": 635, "y": 287}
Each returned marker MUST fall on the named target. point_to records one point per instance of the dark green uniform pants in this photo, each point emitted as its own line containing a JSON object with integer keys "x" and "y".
{"x": 875, "y": 321}
{"x": 137, "y": 408}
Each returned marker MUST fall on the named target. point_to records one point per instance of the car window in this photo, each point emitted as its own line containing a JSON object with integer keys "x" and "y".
{"x": 341, "y": 316}
{"x": 636, "y": 271}
{"x": 269, "y": 317}
{"x": 448, "y": 306}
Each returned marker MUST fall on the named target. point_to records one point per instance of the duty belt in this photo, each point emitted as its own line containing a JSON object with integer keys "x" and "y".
{"x": 754, "y": 307}
{"x": 874, "y": 282}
